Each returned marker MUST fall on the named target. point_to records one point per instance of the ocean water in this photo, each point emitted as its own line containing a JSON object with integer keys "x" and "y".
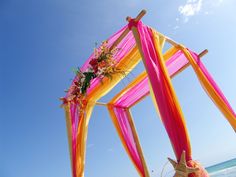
{"x": 224, "y": 169}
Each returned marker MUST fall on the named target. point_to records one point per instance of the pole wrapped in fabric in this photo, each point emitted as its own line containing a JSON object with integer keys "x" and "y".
{"x": 164, "y": 94}
{"x": 121, "y": 117}
{"x": 210, "y": 86}
{"x": 160, "y": 68}
{"x": 126, "y": 134}
{"x": 119, "y": 107}
{"x": 171, "y": 114}
{"x": 77, "y": 118}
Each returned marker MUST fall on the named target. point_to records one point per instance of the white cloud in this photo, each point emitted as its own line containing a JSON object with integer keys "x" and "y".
{"x": 191, "y": 8}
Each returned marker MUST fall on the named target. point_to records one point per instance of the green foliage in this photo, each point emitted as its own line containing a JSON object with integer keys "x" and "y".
{"x": 86, "y": 84}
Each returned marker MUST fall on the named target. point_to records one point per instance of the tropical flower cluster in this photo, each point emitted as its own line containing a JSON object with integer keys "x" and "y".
{"x": 102, "y": 65}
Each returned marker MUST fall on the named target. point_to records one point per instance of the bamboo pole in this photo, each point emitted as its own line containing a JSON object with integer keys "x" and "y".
{"x": 116, "y": 124}
{"x": 139, "y": 16}
{"x": 138, "y": 145}
{"x": 200, "y": 55}
{"x": 101, "y": 104}
{"x": 175, "y": 44}
{"x": 135, "y": 33}
{"x": 172, "y": 42}
{"x": 138, "y": 42}
{"x": 204, "y": 52}
{"x": 122, "y": 36}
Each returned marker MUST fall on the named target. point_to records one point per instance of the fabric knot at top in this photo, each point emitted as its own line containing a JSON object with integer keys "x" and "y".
{"x": 132, "y": 23}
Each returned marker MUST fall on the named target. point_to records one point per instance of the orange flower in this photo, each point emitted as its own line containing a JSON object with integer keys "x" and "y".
{"x": 84, "y": 101}
{"x": 102, "y": 64}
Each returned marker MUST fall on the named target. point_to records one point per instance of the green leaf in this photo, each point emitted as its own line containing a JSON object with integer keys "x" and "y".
{"x": 86, "y": 84}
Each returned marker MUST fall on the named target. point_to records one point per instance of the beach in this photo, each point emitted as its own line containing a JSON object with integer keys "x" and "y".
{"x": 224, "y": 169}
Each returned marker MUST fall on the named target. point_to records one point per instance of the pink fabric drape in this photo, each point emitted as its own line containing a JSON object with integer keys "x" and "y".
{"x": 171, "y": 115}
{"x": 134, "y": 92}
{"x": 211, "y": 81}
{"x": 122, "y": 118}
{"x": 165, "y": 97}
{"x": 76, "y": 117}
{"x": 159, "y": 77}
{"x": 126, "y": 45}
{"x": 174, "y": 64}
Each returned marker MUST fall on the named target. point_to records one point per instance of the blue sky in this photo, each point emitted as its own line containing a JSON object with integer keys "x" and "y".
{"x": 40, "y": 43}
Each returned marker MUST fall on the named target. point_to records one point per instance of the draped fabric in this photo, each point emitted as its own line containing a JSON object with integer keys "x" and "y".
{"x": 127, "y": 44}
{"x": 164, "y": 94}
{"x": 168, "y": 105}
{"x": 122, "y": 119}
{"x": 210, "y": 86}
{"x": 77, "y": 120}
{"x": 156, "y": 81}
{"x": 77, "y": 126}
{"x": 119, "y": 106}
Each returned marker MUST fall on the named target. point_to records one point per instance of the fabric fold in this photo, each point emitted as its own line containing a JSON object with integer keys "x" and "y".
{"x": 160, "y": 68}
{"x": 120, "y": 118}
{"x": 78, "y": 120}
{"x": 210, "y": 86}
{"x": 164, "y": 94}
{"x": 165, "y": 97}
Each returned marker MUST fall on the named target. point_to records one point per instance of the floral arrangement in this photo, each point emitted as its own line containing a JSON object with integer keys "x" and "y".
{"x": 102, "y": 65}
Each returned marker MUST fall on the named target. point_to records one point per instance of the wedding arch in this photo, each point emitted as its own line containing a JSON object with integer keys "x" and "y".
{"x": 108, "y": 65}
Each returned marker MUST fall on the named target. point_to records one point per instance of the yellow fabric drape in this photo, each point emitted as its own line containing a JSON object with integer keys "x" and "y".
{"x": 169, "y": 53}
{"x": 157, "y": 38}
{"x": 210, "y": 90}
{"x": 126, "y": 65}
{"x": 118, "y": 129}
{"x": 82, "y": 133}
{"x": 116, "y": 124}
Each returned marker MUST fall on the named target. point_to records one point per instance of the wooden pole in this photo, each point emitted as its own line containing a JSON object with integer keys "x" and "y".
{"x": 172, "y": 42}
{"x": 122, "y": 36}
{"x": 175, "y": 44}
{"x": 138, "y": 42}
{"x": 138, "y": 145}
{"x": 204, "y": 52}
{"x": 139, "y": 16}
{"x": 201, "y": 54}
{"x": 101, "y": 104}
{"x": 146, "y": 172}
